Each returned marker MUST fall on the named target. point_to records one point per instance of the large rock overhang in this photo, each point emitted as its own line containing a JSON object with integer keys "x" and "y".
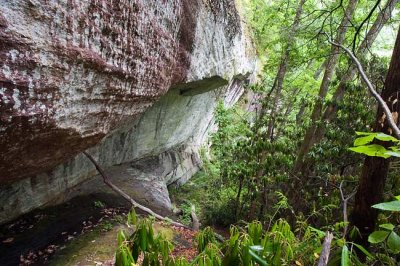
{"x": 81, "y": 74}
{"x": 73, "y": 71}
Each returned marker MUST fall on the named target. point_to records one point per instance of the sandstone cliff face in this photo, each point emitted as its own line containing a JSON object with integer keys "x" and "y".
{"x": 81, "y": 74}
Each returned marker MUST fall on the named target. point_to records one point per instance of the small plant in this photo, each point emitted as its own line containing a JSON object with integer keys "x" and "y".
{"x": 387, "y": 232}
{"x": 203, "y": 238}
{"x": 99, "y": 204}
{"x": 154, "y": 248}
{"x": 106, "y": 226}
{"x": 185, "y": 218}
{"x": 245, "y": 247}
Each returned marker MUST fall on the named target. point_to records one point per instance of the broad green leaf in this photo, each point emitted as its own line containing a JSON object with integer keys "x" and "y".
{"x": 143, "y": 239}
{"x": 389, "y": 227}
{"x": 388, "y": 206}
{"x": 385, "y": 137}
{"x": 378, "y": 236}
{"x": 371, "y": 150}
{"x": 394, "y": 242}
{"x": 358, "y": 133}
{"x": 319, "y": 232}
{"x": 345, "y": 256}
{"x": 364, "y": 140}
{"x": 363, "y": 250}
{"x": 397, "y": 197}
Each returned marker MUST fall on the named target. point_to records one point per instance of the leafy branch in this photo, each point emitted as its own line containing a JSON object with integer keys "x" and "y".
{"x": 370, "y": 87}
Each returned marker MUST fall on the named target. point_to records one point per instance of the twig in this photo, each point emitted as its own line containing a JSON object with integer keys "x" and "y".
{"x": 345, "y": 201}
{"x": 326, "y": 249}
{"x": 108, "y": 182}
{"x": 362, "y": 24}
{"x": 371, "y": 88}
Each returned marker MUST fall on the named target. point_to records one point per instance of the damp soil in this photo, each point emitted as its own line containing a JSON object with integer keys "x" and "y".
{"x": 44, "y": 236}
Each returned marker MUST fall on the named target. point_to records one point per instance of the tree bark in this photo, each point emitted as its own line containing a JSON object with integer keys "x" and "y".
{"x": 326, "y": 249}
{"x": 375, "y": 169}
{"x": 330, "y": 66}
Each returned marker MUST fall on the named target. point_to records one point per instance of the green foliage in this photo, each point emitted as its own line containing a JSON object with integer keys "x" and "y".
{"x": 99, "y": 204}
{"x": 363, "y": 146}
{"x": 154, "y": 248}
{"x": 345, "y": 256}
{"x": 388, "y": 235}
{"x": 106, "y": 226}
{"x": 249, "y": 166}
{"x": 388, "y": 206}
{"x": 245, "y": 246}
{"x": 204, "y": 238}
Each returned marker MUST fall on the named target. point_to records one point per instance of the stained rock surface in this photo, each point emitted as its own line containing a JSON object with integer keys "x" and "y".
{"x": 128, "y": 79}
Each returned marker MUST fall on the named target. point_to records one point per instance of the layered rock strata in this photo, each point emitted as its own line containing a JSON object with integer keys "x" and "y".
{"x": 83, "y": 74}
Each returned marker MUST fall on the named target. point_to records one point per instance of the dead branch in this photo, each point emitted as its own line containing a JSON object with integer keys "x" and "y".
{"x": 371, "y": 89}
{"x": 345, "y": 202}
{"x": 108, "y": 182}
{"x": 195, "y": 220}
{"x": 326, "y": 249}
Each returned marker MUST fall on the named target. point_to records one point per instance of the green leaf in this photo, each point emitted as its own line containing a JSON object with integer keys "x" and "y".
{"x": 389, "y": 227}
{"x": 394, "y": 242}
{"x": 364, "y": 140}
{"x": 397, "y": 197}
{"x": 257, "y": 258}
{"x": 132, "y": 218}
{"x": 320, "y": 233}
{"x": 363, "y": 250}
{"x": 143, "y": 239}
{"x": 121, "y": 237}
{"x": 371, "y": 150}
{"x": 378, "y": 236}
{"x": 358, "y": 133}
{"x": 345, "y": 256}
{"x": 393, "y": 153}
{"x": 388, "y": 206}
{"x": 257, "y": 248}
{"x": 385, "y": 137}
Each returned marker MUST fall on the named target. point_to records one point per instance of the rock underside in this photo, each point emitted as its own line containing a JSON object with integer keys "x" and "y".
{"x": 133, "y": 82}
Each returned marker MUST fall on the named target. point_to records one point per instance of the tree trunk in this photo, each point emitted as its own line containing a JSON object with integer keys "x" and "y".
{"x": 278, "y": 85}
{"x": 280, "y": 77}
{"x": 330, "y": 66}
{"x": 331, "y": 109}
{"x": 375, "y": 169}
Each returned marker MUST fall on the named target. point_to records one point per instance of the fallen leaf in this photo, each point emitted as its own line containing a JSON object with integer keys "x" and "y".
{"x": 8, "y": 240}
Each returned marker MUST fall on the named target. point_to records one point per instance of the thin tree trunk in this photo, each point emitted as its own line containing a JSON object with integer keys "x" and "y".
{"x": 239, "y": 193}
{"x": 374, "y": 173}
{"x": 330, "y": 66}
{"x": 331, "y": 109}
{"x": 280, "y": 77}
{"x": 318, "y": 73}
{"x": 278, "y": 85}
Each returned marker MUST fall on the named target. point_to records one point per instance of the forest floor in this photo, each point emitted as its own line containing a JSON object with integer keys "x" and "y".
{"x": 82, "y": 231}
